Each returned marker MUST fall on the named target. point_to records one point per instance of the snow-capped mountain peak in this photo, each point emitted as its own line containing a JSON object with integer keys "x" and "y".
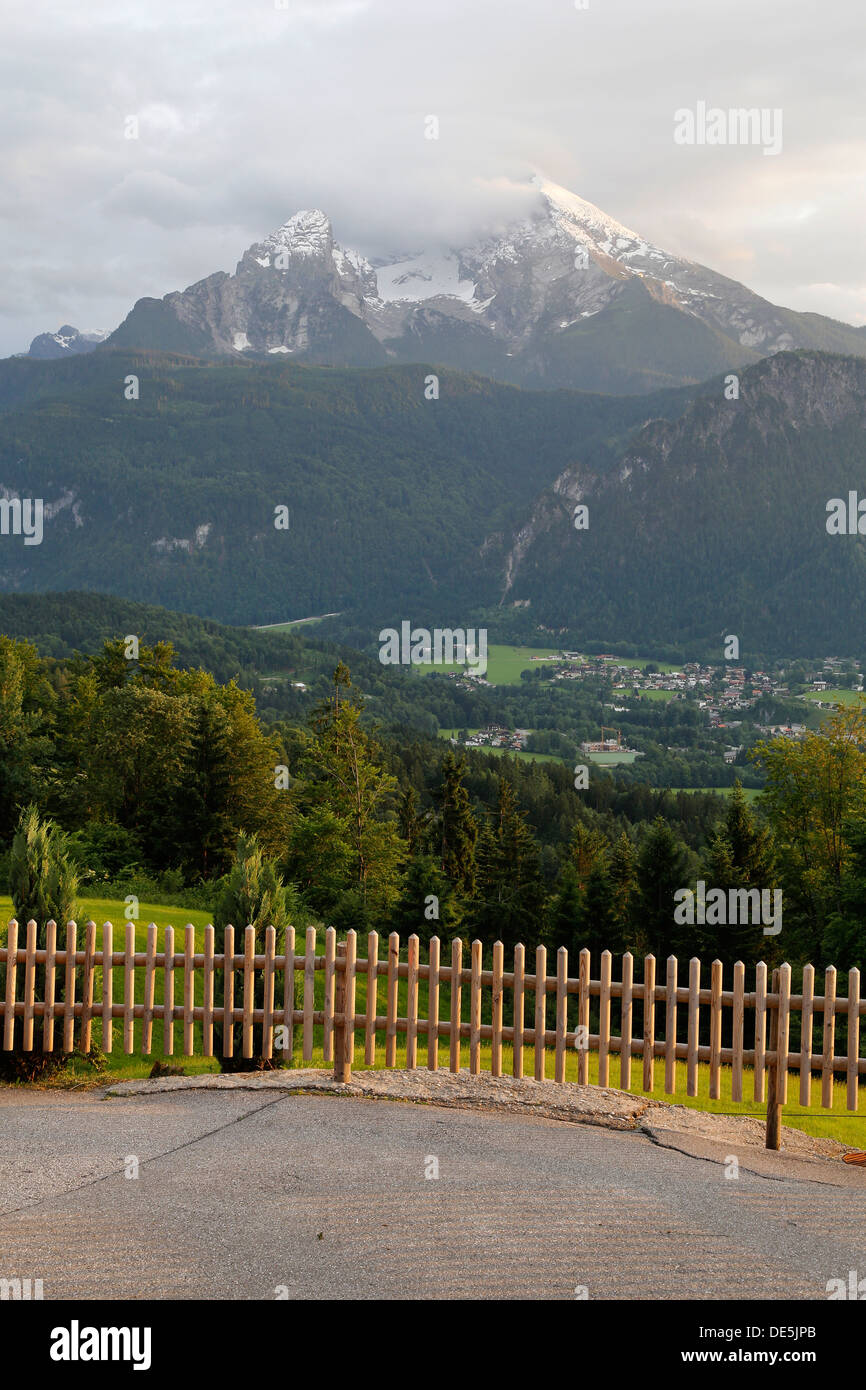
{"x": 544, "y": 300}
{"x": 306, "y": 233}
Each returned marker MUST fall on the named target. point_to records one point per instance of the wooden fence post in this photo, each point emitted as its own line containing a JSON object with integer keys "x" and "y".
{"x": 11, "y": 967}
{"x": 774, "y": 1108}
{"x": 342, "y": 1067}
{"x": 50, "y": 983}
{"x": 456, "y": 979}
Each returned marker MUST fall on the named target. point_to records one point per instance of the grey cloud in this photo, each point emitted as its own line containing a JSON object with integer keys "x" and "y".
{"x": 248, "y": 112}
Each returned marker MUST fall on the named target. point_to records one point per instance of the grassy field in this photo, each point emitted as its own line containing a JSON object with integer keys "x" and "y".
{"x": 748, "y": 792}
{"x": 836, "y": 1123}
{"x": 663, "y": 696}
{"x": 504, "y": 664}
{"x": 835, "y": 697}
{"x": 610, "y": 759}
{"x": 509, "y": 752}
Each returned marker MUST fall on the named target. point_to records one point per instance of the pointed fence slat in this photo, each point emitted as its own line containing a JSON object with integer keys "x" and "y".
{"x": 372, "y": 998}
{"x": 694, "y": 1026}
{"x": 412, "y": 1002}
{"x": 649, "y": 1022}
{"x": 625, "y": 1015}
{"x": 604, "y": 1020}
{"x": 129, "y": 990}
{"x": 738, "y": 1023}
{"x": 168, "y": 994}
{"x": 268, "y": 1003}
{"x": 350, "y": 968}
{"x": 583, "y": 1016}
{"x": 456, "y": 998}
{"x": 806, "y": 1035}
{"x": 11, "y": 972}
{"x": 50, "y": 985}
{"x": 540, "y": 1009}
{"x": 671, "y": 1026}
{"x": 188, "y": 989}
{"x": 561, "y": 1013}
{"x": 87, "y": 986}
{"x": 853, "y": 1067}
{"x": 784, "y": 1031}
{"x": 149, "y": 989}
{"x": 249, "y": 991}
{"x": 208, "y": 993}
{"x": 107, "y": 985}
{"x": 229, "y": 992}
{"x": 829, "y": 1039}
{"x": 716, "y": 1030}
{"x": 496, "y": 1015}
{"x": 433, "y": 1004}
{"x": 393, "y": 982}
{"x": 69, "y": 988}
{"x": 760, "y": 1030}
{"x": 29, "y": 987}
{"x": 309, "y": 991}
{"x": 519, "y": 1002}
{"x": 330, "y": 977}
{"x": 475, "y": 1010}
{"x": 289, "y": 996}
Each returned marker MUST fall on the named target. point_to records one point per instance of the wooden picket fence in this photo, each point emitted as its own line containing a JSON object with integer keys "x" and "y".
{"x": 671, "y": 1013}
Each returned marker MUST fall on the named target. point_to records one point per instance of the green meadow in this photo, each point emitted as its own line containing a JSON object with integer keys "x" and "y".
{"x": 750, "y": 793}
{"x": 504, "y": 664}
{"x": 662, "y": 696}
{"x": 834, "y": 697}
{"x": 507, "y": 752}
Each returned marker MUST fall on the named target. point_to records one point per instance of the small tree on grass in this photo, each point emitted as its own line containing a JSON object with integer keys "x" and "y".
{"x": 43, "y": 884}
{"x": 42, "y": 880}
{"x": 252, "y": 894}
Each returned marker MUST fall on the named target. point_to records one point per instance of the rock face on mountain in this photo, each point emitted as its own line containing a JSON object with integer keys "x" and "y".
{"x": 565, "y": 297}
{"x": 66, "y": 342}
{"x": 714, "y": 523}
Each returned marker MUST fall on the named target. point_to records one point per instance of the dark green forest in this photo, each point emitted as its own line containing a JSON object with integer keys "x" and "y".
{"x": 153, "y": 774}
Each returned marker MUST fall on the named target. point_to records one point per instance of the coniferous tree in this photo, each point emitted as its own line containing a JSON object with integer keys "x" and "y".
{"x": 740, "y": 856}
{"x": 510, "y": 897}
{"x": 564, "y": 909}
{"x": 624, "y": 887}
{"x": 204, "y": 829}
{"x": 597, "y": 924}
{"x": 42, "y": 879}
{"x": 662, "y": 869}
{"x": 43, "y": 884}
{"x": 345, "y": 804}
{"x": 457, "y": 830}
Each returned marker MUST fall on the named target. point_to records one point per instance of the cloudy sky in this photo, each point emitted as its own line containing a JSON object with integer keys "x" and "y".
{"x": 248, "y": 110}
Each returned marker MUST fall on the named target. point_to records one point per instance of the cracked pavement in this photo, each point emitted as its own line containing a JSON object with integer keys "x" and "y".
{"x": 257, "y": 1191}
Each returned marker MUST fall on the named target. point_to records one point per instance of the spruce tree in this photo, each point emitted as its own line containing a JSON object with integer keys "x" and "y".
{"x": 741, "y": 855}
{"x": 43, "y": 884}
{"x": 662, "y": 868}
{"x": 457, "y": 827}
{"x": 510, "y": 897}
{"x": 624, "y": 887}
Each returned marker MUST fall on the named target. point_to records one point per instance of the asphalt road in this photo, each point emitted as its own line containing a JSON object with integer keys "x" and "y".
{"x": 245, "y": 1196}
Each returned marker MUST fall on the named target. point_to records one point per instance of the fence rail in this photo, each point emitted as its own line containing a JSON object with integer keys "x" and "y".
{"x": 689, "y": 1020}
